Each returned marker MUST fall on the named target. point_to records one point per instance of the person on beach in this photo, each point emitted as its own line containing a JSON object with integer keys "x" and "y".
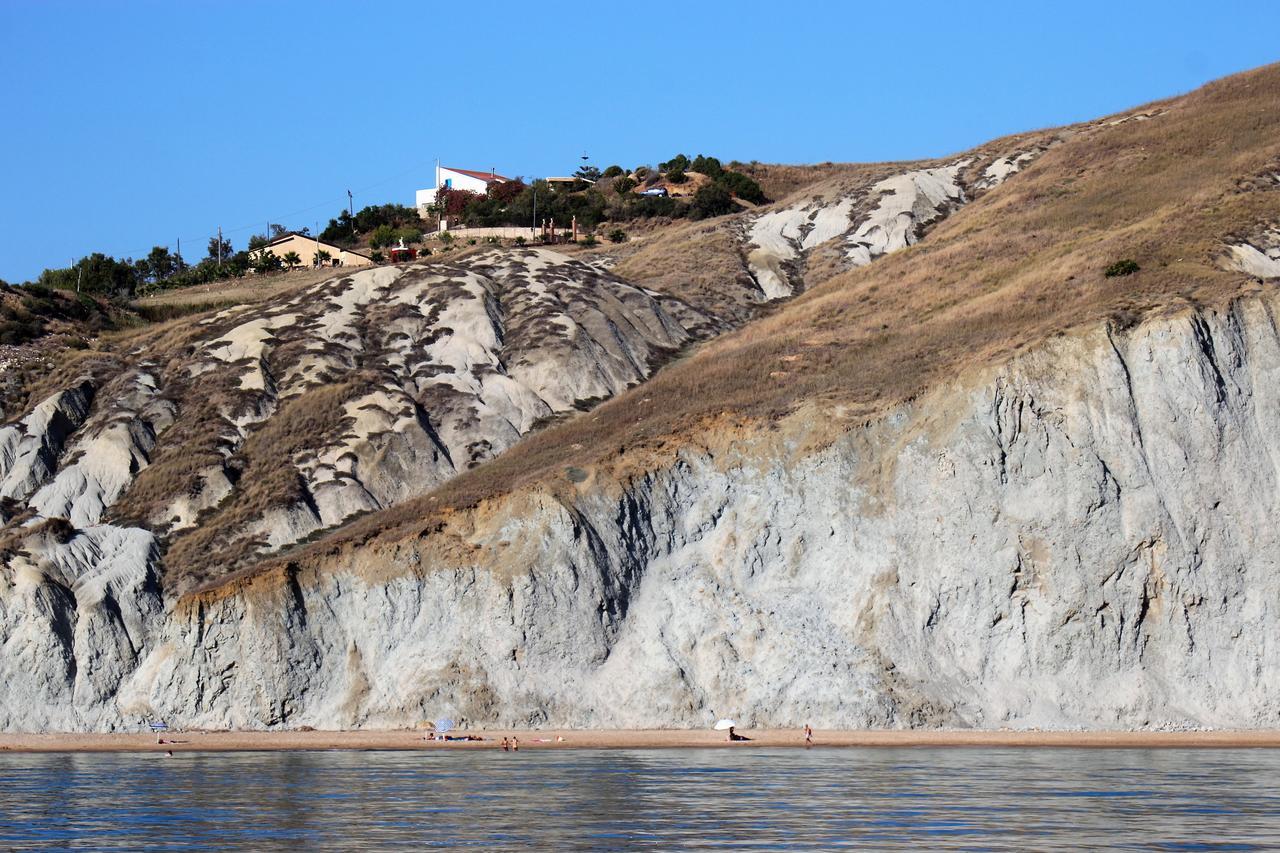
{"x": 734, "y": 736}
{"x": 506, "y": 746}
{"x": 808, "y": 735}
{"x": 515, "y": 744}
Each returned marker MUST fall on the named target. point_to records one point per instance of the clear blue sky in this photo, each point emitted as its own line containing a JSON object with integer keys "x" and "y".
{"x": 132, "y": 124}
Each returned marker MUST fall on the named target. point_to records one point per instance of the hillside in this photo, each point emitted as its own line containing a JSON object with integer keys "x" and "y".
{"x": 933, "y": 465}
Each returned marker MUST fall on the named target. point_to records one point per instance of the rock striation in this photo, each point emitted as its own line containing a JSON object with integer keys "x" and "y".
{"x": 1080, "y": 537}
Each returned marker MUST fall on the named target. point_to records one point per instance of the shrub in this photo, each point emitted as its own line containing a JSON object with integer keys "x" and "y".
{"x": 446, "y": 237}
{"x": 589, "y": 241}
{"x": 383, "y": 235}
{"x": 677, "y": 163}
{"x": 453, "y": 202}
{"x": 520, "y": 241}
{"x": 471, "y": 242}
{"x": 611, "y": 172}
{"x": 266, "y": 261}
{"x": 711, "y": 200}
{"x": 376, "y": 256}
{"x": 622, "y": 186}
{"x": 677, "y": 176}
{"x": 742, "y": 186}
{"x": 617, "y": 235}
{"x": 1127, "y": 266}
{"x": 708, "y": 166}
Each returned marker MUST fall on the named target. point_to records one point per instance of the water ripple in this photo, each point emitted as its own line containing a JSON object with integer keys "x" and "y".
{"x": 741, "y": 799}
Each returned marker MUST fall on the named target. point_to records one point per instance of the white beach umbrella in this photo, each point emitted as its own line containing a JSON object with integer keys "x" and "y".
{"x": 725, "y": 725}
{"x": 443, "y": 725}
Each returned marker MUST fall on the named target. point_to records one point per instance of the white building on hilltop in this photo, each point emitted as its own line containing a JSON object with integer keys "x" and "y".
{"x": 457, "y": 179}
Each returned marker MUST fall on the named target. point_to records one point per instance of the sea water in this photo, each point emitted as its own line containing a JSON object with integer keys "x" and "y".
{"x": 738, "y": 798}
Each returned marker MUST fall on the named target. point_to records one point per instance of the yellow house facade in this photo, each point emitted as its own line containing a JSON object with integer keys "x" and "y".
{"x": 307, "y": 249}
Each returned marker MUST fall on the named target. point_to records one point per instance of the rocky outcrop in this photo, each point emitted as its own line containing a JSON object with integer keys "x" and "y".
{"x": 868, "y": 220}
{"x": 1259, "y": 256}
{"x": 29, "y": 450}
{"x": 1081, "y": 537}
{"x": 265, "y": 424}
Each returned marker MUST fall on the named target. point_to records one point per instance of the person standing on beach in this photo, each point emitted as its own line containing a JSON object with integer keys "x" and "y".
{"x": 515, "y": 744}
{"x": 506, "y": 747}
{"x": 808, "y": 735}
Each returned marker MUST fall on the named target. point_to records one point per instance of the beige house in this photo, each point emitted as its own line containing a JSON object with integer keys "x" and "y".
{"x": 308, "y": 247}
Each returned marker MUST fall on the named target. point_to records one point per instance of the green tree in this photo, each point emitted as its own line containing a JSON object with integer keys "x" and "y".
{"x": 323, "y": 257}
{"x": 676, "y": 176}
{"x": 266, "y": 261}
{"x": 742, "y": 186}
{"x": 213, "y": 249}
{"x": 622, "y": 186}
{"x": 711, "y": 200}
{"x": 708, "y": 166}
{"x": 677, "y": 163}
{"x": 98, "y": 273}
{"x": 340, "y": 228}
{"x": 611, "y": 172}
{"x": 383, "y": 235}
{"x": 291, "y": 259}
{"x": 159, "y": 265}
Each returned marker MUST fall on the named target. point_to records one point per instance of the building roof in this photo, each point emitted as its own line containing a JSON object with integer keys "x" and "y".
{"x": 487, "y": 177}
{"x": 328, "y": 246}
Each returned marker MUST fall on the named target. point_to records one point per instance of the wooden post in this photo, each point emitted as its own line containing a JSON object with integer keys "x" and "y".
{"x": 575, "y": 229}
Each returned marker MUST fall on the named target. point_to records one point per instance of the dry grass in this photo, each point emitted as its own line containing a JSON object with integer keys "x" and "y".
{"x": 263, "y": 482}
{"x": 238, "y": 291}
{"x": 699, "y": 263}
{"x": 1015, "y": 267}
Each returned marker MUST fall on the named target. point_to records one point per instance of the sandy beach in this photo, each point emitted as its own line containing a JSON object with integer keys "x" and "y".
{"x": 246, "y": 741}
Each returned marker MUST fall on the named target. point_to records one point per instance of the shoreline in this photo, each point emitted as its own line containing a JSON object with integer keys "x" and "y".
{"x": 410, "y": 739}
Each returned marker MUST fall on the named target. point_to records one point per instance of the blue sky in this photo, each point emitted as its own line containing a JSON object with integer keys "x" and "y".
{"x": 132, "y": 124}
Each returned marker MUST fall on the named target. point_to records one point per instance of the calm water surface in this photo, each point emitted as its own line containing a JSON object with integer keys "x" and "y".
{"x": 927, "y": 799}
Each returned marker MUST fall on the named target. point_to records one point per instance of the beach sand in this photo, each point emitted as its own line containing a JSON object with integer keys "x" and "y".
{"x": 244, "y": 741}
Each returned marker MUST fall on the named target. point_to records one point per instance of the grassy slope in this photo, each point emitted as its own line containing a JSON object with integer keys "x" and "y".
{"x": 1019, "y": 265}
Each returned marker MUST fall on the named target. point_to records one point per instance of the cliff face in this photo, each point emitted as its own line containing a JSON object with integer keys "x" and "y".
{"x": 980, "y": 481}
{"x": 242, "y": 432}
{"x": 1081, "y": 537}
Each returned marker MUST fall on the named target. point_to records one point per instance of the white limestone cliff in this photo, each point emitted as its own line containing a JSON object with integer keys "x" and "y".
{"x": 1081, "y": 537}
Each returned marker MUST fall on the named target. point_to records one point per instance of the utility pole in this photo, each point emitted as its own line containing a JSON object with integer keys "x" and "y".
{"x": 219, "y": 245}
{"x": 79, "y": 276}
{"x": 351, "y": 212}
{"x": 533, "y": 226}
{"x": 179, "y": 254}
